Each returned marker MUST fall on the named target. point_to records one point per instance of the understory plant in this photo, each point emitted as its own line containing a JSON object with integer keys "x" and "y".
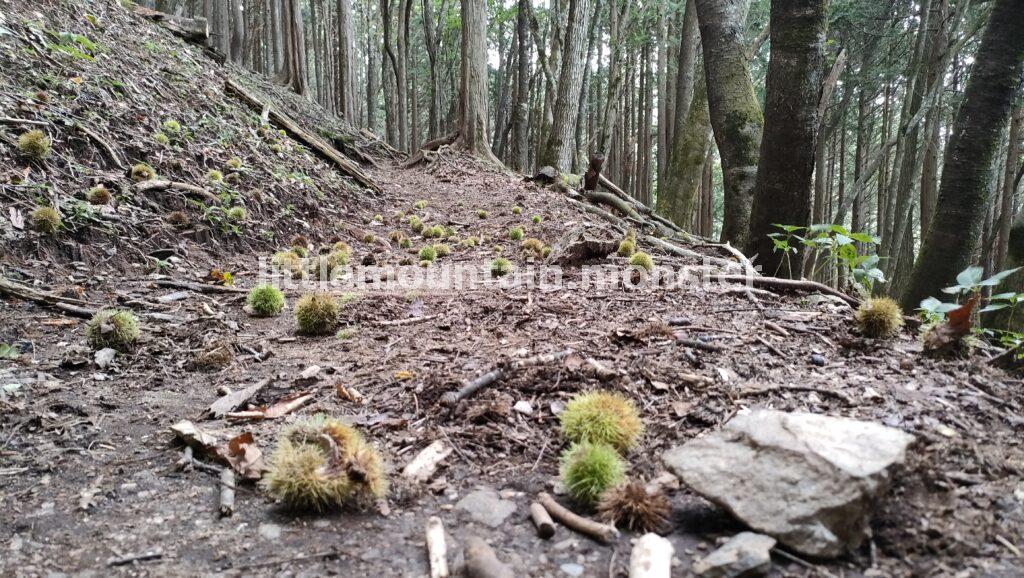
{"x": 832, "y": 245}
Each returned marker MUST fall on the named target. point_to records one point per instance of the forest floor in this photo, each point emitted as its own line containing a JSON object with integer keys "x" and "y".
{"x": 88, "y": 476}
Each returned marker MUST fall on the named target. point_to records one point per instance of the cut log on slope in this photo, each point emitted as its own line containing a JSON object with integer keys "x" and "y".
{"x": 309, "y": 139}
{"x": 429, "y": 146}
{"x": 192, "y": 29}
{"x": 160, "y": 185}
{"x": 74, "y": 307}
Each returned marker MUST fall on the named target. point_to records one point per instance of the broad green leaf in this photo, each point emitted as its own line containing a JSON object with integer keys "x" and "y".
{"x": 970, "y": 277}
{"x": 998, "y": 277}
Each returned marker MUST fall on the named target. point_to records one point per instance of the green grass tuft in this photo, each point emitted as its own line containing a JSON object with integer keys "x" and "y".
{"x": 516, "y": 233}
{"x": 500, "y": 267}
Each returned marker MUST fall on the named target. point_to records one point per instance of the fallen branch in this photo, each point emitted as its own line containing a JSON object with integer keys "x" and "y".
{"x": 314, "y": 142}
{"x": 102, "y": 143}
{"x": 160, "y": 185}
{"x": 761, "y": 390}
{"x": 542, "y": 520}
{"x": 227, "y": 492}
{"x": 452, "y": 398}
{"x": 437, "y": 552}
{"x": 792, "y": 284}
{"x": 233, "y": 400}
{"x": 407, "y": 321}
{"x": 481, "y": 562}
{"x": 198, "y": 287}
{"x": 651, "y": 557}
{"x": 71, "y": 306}
{"x": 697, "y": 344}
{"x": 192, "y": 29}
{"x": 596, "y": 530}
{"x": 141, "y": 557}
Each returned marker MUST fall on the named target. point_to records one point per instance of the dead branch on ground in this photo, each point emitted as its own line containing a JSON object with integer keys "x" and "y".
{"x": 454, "y": 397}
{"x": 596, "y": 530}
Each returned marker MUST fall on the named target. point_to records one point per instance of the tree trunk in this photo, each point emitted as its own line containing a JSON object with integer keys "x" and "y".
{"x": 735, "y": 111}
{"x": 346, "y": 93}
{"x": 953, "y": 236}
{"x": 1009, "y": 188}
{"x": 558, "y": 151}
{"x": 295, "y": 74}
{"x": 473, "y": 83}
{"x": 792, "y": 93}
{"x": 520, "y": 111}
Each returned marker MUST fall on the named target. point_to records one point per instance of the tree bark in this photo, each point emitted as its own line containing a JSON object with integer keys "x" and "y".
{"x": 1009, "y": 188}
{"x": 792, "y": 93}
{"x": 295, "y": 74}
{"x": 520, "y": 111}
{"x": 473, "y": 84}
{"x": 346, "y": 94}
{"x": 953, "y": 236}
{"x": 558, "y": 151}
{"x": 735, "y": 112}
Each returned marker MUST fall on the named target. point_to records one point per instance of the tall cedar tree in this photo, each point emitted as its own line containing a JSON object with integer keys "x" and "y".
{"x": 795, "y": 71}
{"x": 735, "y": 111}
{"x": 960, "y": 212}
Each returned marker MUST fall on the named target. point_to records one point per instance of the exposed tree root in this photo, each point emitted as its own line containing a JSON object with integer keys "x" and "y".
{"x": 791, "y": 284}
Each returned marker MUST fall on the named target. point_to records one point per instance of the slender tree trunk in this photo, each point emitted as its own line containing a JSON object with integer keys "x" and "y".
{"x": 295, "y": 74}
{"x": 558, "y": 151}
{"x": 1009, "y": 188}
{"x": 473, "y": 83}
{"x": 520, "y": 112}
{"x": 735, "y": 111}
{"x": 792, "y": 93}
{"x": 346, "y": 94}
{"x": 951, "y": 240}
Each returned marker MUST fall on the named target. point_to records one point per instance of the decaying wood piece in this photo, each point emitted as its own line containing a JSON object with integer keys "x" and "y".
{"x": 429, "y": 146}
{"x": 453, "y": 397}
{"x": 582, "y": 244}
{"x": 481, "y": 561}
{"x": 74, "y": 307}
{"x": 161, "y": 185}
{"x": 425, "y": 463}
{"x": 311, "y": 140}
{"x": 593, "y": 174}
{"x": 437, "y": 552}
{"x": 792, "y": 284}
{"x": 596, "y": 530}
{"x": 651, "y": 557}
{"x": 542, "y": 521}
{"x": 192, "y": 29}
{"x": 227, "y": 492}
{"x": 198, "y": 287}
{"x": 235, "y": 399}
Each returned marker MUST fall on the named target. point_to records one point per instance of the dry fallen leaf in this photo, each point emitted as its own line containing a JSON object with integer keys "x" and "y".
{"x": 244, "y": 456}
{"x": 404, "y": 375}
{"x": 957, "y": 326}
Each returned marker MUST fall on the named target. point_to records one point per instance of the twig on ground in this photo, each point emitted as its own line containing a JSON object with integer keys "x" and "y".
{"x": 71, "y": 306}
{"x": 596, "y": 530}
{"x": 700, "y": 345}
{"x": 770, "y": 347}
{"x": 407, "y": 321}
{"x": 542, "y": 520}
{"x": 146, "y": 186}
{"x": 227, "y": 492}
{"x": 794, "y": 284}
{"x": 141, "y": 557}
{"x": 452, "y": 398}
{"x": 198, "y": 287}
{"x": 437, "y": 552}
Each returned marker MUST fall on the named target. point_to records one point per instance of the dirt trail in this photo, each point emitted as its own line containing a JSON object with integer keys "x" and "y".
{"x": 88, "y": 475}
{"x": 105, "y": 432}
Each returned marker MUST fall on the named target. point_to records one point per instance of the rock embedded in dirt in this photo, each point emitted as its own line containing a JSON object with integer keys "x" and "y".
{"x": 583, "y": 244}
{"x": 808, "y": 480}
{"x": 745, "y": 554}
{"x": 486, "y": 507}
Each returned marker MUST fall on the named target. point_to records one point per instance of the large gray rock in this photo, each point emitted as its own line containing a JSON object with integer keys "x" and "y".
{"x": 808, "y": 480}
{"x": 745, "y": 554}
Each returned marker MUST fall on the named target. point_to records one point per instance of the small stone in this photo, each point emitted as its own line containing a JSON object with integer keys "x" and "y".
{"x": 745, "y": 554}
{"x": 572, "y": 569}
{"x": 104, "y": 357}
{"x": 523, "y": 407}
{"x": 269, "y": 531}
{"x": 486, "y": 507}
{"x": 818, "y": 359}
